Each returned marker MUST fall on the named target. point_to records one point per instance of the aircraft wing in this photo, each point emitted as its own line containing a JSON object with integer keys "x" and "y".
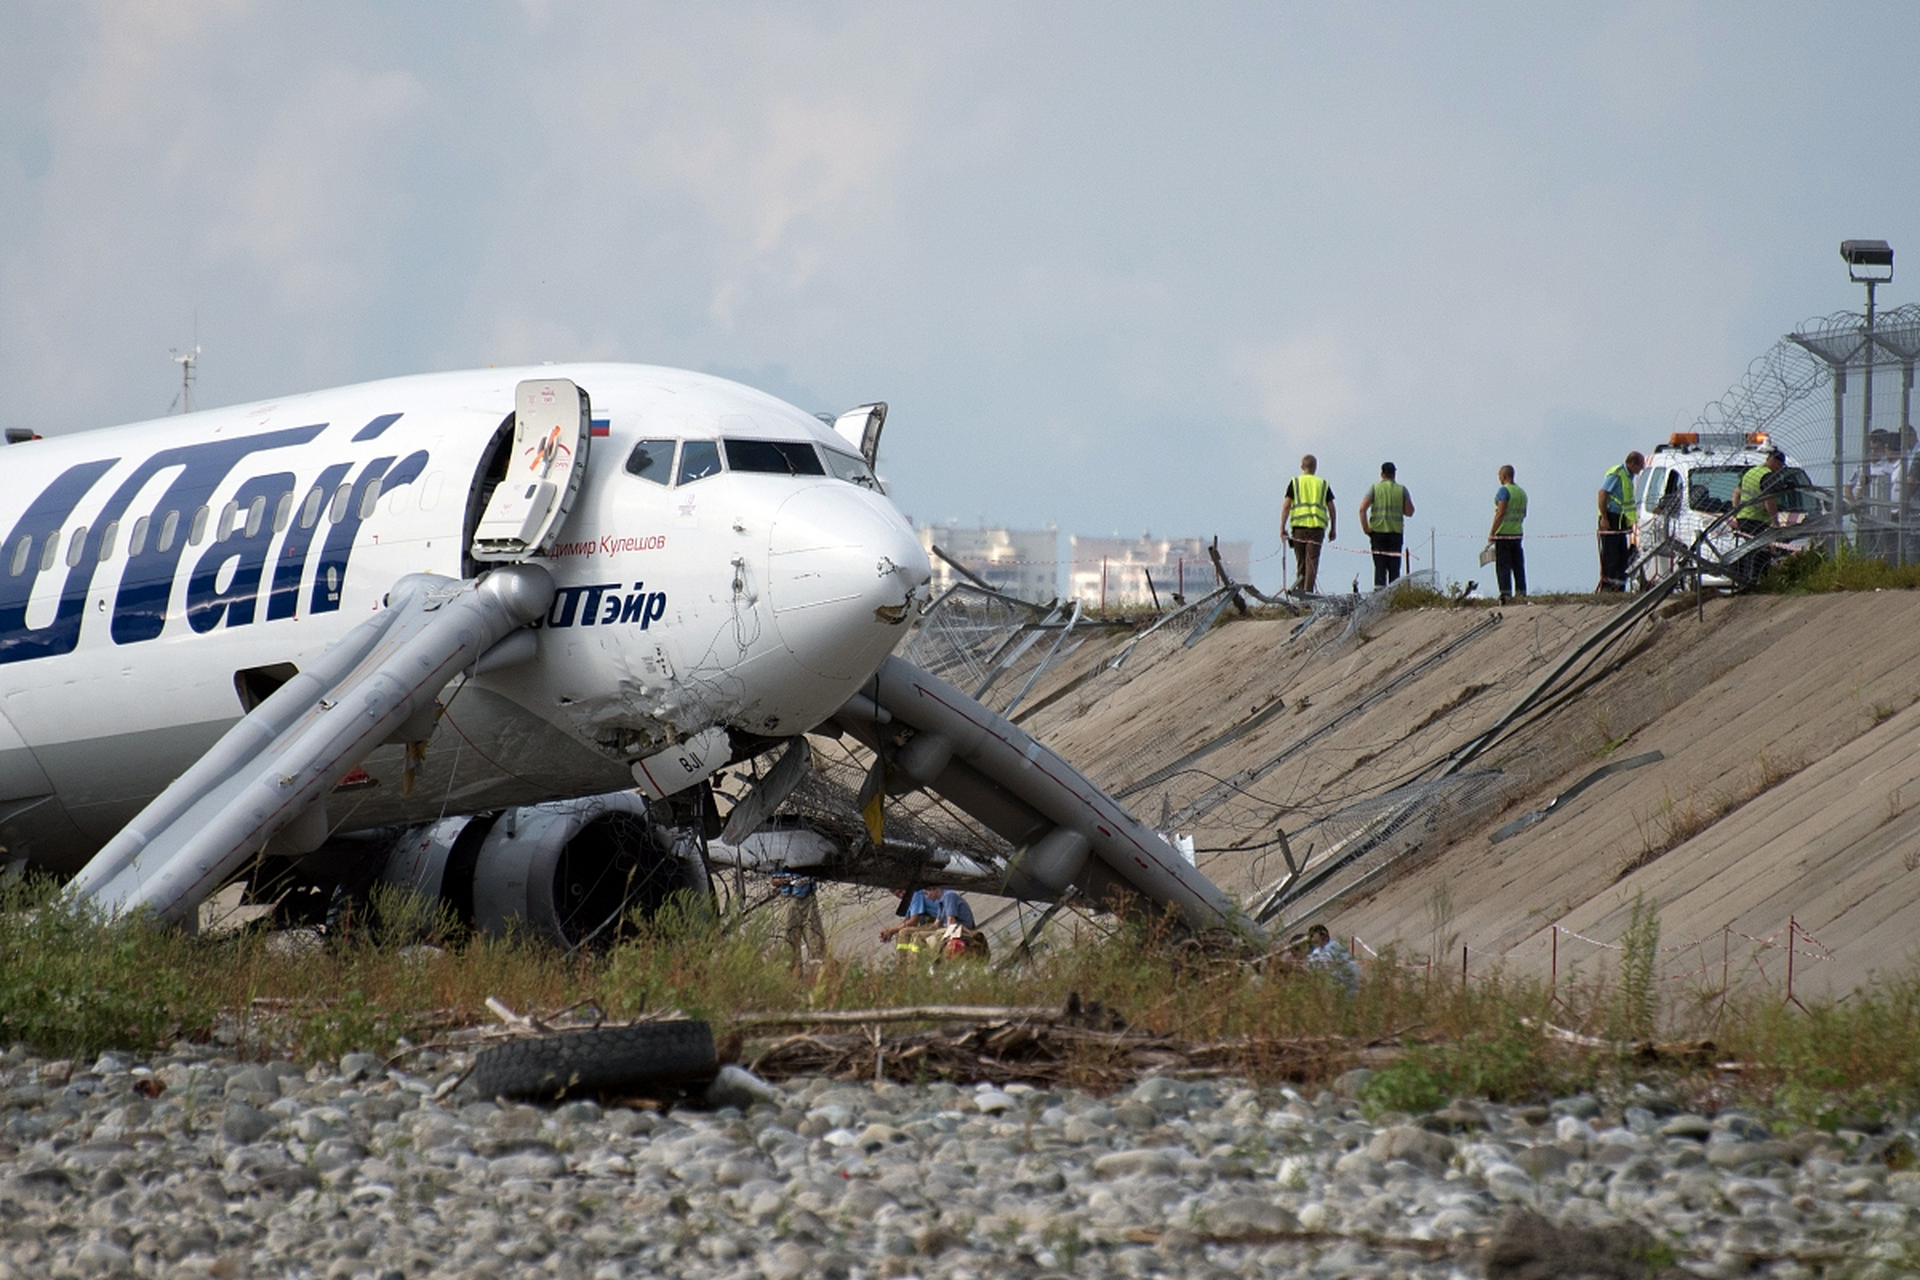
{"x": 277, "y": 765}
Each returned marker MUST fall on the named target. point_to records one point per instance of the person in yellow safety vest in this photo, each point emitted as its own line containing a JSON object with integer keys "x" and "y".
{"x": 1307, "y": 522}
{"x": 1754, "y": 503}
{"x": 1616, "y": 520}
{"x": 1383, "y": 514}
{"x": 1509, "y": 561}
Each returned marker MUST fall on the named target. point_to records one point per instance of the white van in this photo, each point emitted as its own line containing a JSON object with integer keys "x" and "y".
{"x": 1690, "y": 482}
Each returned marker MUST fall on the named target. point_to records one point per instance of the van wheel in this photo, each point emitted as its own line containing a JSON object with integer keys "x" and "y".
{"x": 598, "y": 1060}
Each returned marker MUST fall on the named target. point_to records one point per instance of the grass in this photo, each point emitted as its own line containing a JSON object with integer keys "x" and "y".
{"x": 1677, "y": 821}
{"x": 73, "y": 984}
{"x": 1814, "y": 572}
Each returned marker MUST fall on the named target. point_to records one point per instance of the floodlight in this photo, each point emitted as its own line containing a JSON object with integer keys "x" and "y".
{"x": 1868, "y": 261}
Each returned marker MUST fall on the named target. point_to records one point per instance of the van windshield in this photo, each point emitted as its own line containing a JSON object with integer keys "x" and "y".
{"x": 1711, "y": 489}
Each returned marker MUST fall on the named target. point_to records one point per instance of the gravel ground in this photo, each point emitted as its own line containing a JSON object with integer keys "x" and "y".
{"x": 190, "y": 1164}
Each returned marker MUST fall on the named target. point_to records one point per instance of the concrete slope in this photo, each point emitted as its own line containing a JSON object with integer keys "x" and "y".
{"x": 1790, "y": 759}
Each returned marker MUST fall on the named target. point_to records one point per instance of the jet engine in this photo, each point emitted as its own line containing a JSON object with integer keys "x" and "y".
{"x": 568, "y": 871}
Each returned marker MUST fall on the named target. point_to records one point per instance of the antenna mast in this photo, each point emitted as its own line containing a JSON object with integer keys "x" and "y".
{"x": 186, "y": 360}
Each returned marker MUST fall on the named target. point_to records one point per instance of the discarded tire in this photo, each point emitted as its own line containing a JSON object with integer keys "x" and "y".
{"x": 600, "y": 1060}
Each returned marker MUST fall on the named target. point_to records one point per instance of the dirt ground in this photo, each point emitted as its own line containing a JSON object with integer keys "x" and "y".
{"x": 1789, "y": 788}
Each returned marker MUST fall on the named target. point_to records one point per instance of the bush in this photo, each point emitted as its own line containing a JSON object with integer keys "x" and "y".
{"x": 74, "y": 982}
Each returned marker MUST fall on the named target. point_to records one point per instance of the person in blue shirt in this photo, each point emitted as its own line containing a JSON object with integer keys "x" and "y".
{"x": 950, "y": 908}
{"x": 1332, "y": 959}
{"x": 915, "y": 912}
{"x": 923, "y": 910}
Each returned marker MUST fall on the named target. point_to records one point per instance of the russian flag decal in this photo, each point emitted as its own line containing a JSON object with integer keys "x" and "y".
{"x": 600, "y": 426}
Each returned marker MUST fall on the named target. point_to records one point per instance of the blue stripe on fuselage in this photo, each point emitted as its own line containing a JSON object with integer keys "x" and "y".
{"x": 147, "y": 580}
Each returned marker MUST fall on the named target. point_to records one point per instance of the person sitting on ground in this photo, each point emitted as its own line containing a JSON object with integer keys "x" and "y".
{"x": 916, "y": 912}
{"x": 950, "y": 908}
{"x": 1328, "y": 956}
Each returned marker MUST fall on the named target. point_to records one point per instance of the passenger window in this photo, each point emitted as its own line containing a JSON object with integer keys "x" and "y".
{"x": 370, "y": 499}
{"x": 20, "y": 552}
{"x": 652, "y": 460}
{"x": 138, "y": 542}
{"x": 228, "y": 514}
{"x": 49, "y": 552}
{"x": 282, "y": 513}
{"x": 256, "y": 512}
{"x": 169, "y": 526}
{"x": 341, "y": 497}
{"x": 774, "y": 457}
{"x": 75, "y": 545}
{"x": 310, "y": 509}
{"x": 198, "y": 529}
{"x": 109, "y": 536}
{"x": 851, "y": 469}
{"x": 698, "y": 460}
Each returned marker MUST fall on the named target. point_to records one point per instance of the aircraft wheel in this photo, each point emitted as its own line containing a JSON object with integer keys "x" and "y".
{"x": 599, "y": 1060}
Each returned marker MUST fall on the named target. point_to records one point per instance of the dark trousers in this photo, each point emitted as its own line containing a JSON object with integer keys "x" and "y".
{"x": 1306, "y": 555}
{"x": 1510, "y": 568}
{"x": 1386, "y": 556}
{"x": 1613, "y": 553}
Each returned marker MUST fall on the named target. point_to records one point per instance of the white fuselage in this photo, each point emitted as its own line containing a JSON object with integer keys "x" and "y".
{"x": 152, "y": 574}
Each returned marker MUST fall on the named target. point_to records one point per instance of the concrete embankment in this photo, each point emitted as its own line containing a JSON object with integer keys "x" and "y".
{"x": 1788, "y": 788}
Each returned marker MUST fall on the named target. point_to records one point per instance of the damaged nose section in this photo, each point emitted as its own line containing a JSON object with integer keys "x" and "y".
{"x": 843, "y": 571}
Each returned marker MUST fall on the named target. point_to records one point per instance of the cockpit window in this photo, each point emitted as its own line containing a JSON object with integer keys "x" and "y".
{"x": 851, "y": 469}
{"x": 777, "y": 457}
{"x": 698, "y": 460}
{"x": 652, "y": 460}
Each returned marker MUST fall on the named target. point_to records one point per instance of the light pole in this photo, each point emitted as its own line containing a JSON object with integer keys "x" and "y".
{"x": 1869, "y": 262}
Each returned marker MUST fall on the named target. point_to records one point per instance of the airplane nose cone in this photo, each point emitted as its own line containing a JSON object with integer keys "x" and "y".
{"x": 841, "y": 568}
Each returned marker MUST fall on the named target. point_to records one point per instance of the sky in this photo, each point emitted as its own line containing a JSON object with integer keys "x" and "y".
{"x": 1114, "y": 266}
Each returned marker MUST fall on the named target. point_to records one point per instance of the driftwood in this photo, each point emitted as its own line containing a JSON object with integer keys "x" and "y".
{"x": 906, "y": 1013}
{"x": 1040, "y": 1052}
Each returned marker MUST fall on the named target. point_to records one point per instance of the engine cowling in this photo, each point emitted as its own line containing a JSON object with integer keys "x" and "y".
{"x": 567, "y": 871}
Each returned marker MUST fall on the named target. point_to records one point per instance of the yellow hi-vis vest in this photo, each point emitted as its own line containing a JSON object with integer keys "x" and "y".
{"x": 1516, "y": 512}
{"x": 1309, "y": 502}
{"x": 1625, "y": 505}
{"x": 1747, "y": 502}
{"x": 1388, "y": 514}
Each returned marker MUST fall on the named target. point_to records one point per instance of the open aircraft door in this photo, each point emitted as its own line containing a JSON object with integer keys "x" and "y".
{"x": 861, "y": 428}
{"x": 552, "y": 430}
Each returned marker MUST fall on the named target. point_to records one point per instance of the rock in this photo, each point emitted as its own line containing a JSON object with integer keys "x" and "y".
{"x": 1528, "y": 1247}
{"x": 1542, "y": 1161}
{"x": 1738, "y": 1155}
{"x": 1136, "y": 1115}
{"x": 1581, "y": 1106}
{"x": 1417, "y": 1146}
{"x": 1510, "y": 1184}
{"x": 243, "y": 1124}
{"x": 1458, "y": 1116}
{"x": 356, "y": 1067}
{"x": 877, "y": 1136}
{"x": 1134, "y": 1164}
{"x": 1243, "y": 1217}
{"x": 993, "y": 1102}
{"x": 320, "y": 1124}
{"x": 1687, "y": 1126}
{"x": 738, "y": 1087}
{"x": 1349, "y": 1083}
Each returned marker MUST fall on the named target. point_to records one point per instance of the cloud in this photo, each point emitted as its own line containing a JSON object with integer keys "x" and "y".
{"x": 1302, "y": 388}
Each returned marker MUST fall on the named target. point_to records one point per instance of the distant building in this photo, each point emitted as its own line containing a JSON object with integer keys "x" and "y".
{"x": 1114, "y": 571}
{"x": 1021, "y": 562}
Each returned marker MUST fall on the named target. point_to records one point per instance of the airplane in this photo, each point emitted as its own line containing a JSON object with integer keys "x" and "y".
{"x": 489, "y": 635}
